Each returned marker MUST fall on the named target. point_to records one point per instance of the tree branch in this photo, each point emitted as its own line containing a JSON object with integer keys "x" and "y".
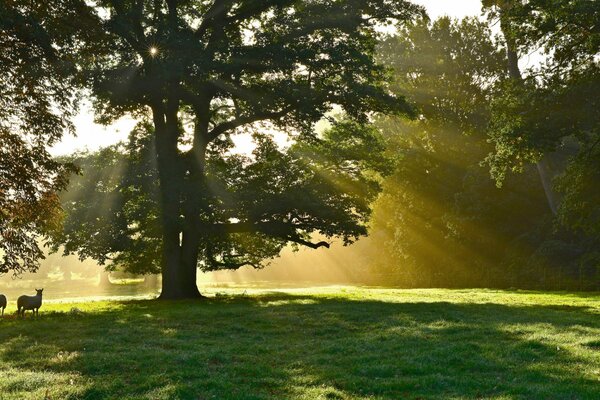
{"x": 247, "y": 227}
{"x": 231, "y": 265}
{"x": 243, "y": 120}
{"x": 252, "y": 9}
{"x": 281, "y": 230}
{"x": 215, "y": 13}
{"x": 307, "y": 243}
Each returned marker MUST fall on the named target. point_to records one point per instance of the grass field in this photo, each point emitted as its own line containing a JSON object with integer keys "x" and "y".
{"x": 328, "y": 343}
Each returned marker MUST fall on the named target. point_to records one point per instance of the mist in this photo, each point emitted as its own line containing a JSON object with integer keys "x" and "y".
{"x": 67, "y": 278}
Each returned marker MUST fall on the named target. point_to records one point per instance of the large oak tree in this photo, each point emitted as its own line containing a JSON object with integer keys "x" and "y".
{"x": 201, "y": 71}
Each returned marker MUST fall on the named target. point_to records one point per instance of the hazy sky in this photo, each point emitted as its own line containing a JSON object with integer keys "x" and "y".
{"x": 93, "y": 136}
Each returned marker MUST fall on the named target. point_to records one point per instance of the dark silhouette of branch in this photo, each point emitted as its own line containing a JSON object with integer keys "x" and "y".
{"x": 243, "y": 120}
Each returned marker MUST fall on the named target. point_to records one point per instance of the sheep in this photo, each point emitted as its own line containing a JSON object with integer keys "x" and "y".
{"x": 2, "y": 303}
{"x": 32, "y": 303}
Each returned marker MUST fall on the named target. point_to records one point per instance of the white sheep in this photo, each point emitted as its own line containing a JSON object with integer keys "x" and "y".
{"x": 32, "y": 303}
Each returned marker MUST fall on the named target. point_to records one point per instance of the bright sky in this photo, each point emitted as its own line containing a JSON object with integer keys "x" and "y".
{"x": 92, "y": 136}
{"x": 452, "y": 8}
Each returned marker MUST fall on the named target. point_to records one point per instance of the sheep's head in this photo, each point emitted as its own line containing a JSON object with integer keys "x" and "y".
{"x": 39, "y": 291}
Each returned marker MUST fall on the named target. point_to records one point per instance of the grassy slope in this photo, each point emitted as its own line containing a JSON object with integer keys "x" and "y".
{"x": 308, "y": 344}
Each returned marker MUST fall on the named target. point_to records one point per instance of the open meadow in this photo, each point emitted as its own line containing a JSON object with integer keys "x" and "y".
{"x": 321, "y": 343}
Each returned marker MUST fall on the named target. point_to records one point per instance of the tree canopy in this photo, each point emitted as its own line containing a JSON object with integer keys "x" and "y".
{"x": 201, "y": 71}
{"x": 325, "y": 186}
{"x": 441, "y": 219}
{"x": 37, "y": 101}
{"x": 555, "y": 109}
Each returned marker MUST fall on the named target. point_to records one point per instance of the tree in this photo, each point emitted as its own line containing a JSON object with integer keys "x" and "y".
{"x": 37, "y": 99}
{"x": 552, "y": 112}
{"x": 556, "y": 105}
{"x": 205, "y": 70}
{"x": 441, "y": 217}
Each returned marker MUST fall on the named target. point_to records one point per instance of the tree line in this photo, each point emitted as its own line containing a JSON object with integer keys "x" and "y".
{"x": 487, "y": 172}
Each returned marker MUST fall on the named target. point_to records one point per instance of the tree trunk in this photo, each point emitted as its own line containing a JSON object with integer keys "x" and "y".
{"x": 178, "y": 279}
{"x": 193, "y": 202}
{"x": 543, "y": 171}
{"x": 189, "y": 264}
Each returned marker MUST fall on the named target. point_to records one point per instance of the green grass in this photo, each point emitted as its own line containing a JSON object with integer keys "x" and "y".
{"x": 330, "y": 343}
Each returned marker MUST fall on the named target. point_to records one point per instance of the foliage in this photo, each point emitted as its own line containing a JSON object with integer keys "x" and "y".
{"x": 530, "y": 121}
{"x": 443, "y": 221}
{"x": 566, "y": 31}
{"x": 304, "y": 344}
{"x": 581, "y": 192}
{"x": 110, "y": 208}
{"x": 36, "y": 104}
{"x": 207, "y": 70}
{"x": 555, "y": 109}
{"x": 322, "y": 185}
{"x": 447, "y": 68}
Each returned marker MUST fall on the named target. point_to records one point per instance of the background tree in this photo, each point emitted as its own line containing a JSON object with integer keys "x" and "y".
{"x": 552, "y": 114}
{"x": 37, "y": 100}
{"x": 443, "y": 220}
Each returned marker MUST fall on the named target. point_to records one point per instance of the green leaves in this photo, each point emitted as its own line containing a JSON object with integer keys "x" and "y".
{"x": 446, "y": 68}
{"x": 266, "y": 56}
{"x": 37, "y": 100}
{"x": 440, "y": 218}
{"x": 255, "y": 204}
{"x": 553, "y": 111}
{"x": 580, "y": 190}
{"x": 224, "y": 67}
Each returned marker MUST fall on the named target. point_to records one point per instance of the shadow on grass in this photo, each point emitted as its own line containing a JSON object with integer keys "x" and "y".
{"x": 279, "y": 345}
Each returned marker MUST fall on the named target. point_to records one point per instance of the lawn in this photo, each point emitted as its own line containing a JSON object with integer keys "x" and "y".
{"x": 328, "y": 343}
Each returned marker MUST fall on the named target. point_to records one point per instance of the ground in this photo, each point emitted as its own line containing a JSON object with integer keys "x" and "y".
{"x": 328, "y": 343}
